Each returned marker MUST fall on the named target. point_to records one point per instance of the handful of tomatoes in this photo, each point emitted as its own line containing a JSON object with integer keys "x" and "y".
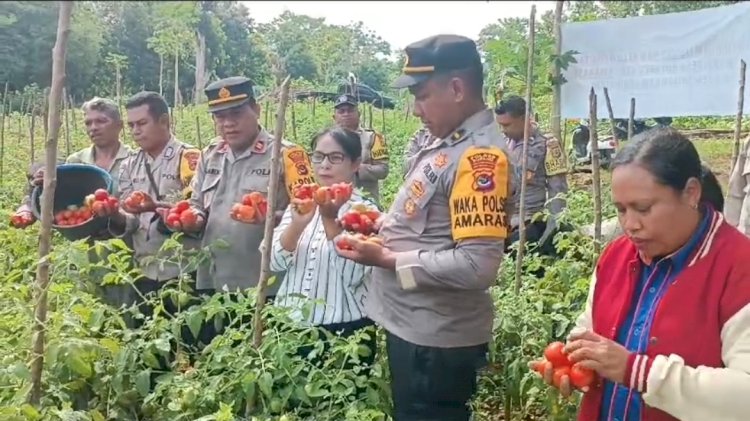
{"x": 252, "y": 208}
{"x": 580, "y": 377}
{"x": 101, "y": 203}
{"x": 21, "y": 219}
{"x": 180, "y": 215}
{"x": 359, "y": 223}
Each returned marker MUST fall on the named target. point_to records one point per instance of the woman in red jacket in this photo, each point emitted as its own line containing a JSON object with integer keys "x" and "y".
{"x": 667, "y": 322}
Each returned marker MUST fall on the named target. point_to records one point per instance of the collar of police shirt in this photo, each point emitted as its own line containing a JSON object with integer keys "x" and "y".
{"x": 477, "y": 120}
{"x": 169, "y": 152}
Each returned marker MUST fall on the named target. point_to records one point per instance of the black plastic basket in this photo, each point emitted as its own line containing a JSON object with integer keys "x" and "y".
{"x": 74, "y": 183}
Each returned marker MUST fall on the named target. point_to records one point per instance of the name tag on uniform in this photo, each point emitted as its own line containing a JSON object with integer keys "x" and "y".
{"x": 261, "y": 171}
{"x": 213, "y": 171}
{"x": 169, "y": 176}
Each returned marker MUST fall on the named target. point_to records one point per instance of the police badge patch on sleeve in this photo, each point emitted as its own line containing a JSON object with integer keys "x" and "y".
{"x": 554, "y": 161}
{"x": 379, "y": 149}
{"x": 477, "y": 201}
{"x": 188, "y": 165}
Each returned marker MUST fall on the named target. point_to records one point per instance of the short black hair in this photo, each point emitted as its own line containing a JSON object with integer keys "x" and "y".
{"x": 472, "y": 76}
{"x": 513, "y": 105}
{"x": 157, "y": 105}
{"x": 347, "y": 139}
{"x": 672, "y": 159}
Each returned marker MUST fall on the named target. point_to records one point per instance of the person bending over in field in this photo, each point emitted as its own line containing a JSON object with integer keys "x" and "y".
{"x": 666, "y": 327}
{"x": 303, "y": 246}
{"x": 103, "y": 123}
{"x": 737, "y": 207}
{"x": 443, "y": 237}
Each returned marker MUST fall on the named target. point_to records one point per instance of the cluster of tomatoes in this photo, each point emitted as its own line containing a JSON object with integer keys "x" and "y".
{"x": 359, "y": 222}
{"x": 96, "y": 204}
{"x": 101, "y": 203}
{"x": 253, "y": 206}
{"x": 180, "y": 215}
{"x": 22, "y": 219}
{"x": 580, "y": 377}
{"x": 308, "y": 195}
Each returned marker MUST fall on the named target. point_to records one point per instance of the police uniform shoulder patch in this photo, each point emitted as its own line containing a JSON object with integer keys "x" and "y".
{"x": 297, "y": 167}
{"x": 479, "y": 194}
{"x": 378, "y": 148}
{"x": 188, "y": 164}
{"x": 554, "y": 160}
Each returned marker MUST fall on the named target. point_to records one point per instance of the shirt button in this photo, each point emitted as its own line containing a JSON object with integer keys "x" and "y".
{"x": 652, "y": 290}
{"x": 637, "y": 331}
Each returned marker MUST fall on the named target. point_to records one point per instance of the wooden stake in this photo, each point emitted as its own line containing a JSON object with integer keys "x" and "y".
{"x": 556, "y": 93}
{"x": 611, "y": 116}
{"x": 738, "y": 121}
{"x": 294, "y": 123}
{"x": 270, "y": 216}
{"x": 2, "y": 133}
{"x": 50, "y": 182}
{"x": 72, "y": 106}
{"x": 265, "y": 116}
{"x": 67, "y": 124}
{"x": 631, "y": 119}
{"x": 594, "y": 139}
{"x": 32, "y": 124}
{"x": 314, "y": 100}
{"x": 525, "y": 152}
{"x": 369, "y": 116}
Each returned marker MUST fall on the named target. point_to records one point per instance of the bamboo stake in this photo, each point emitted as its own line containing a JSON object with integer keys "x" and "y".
{"x": 369, "y": 116}
{"x": 73, "y": 111}
{"x": 2, "y": 133}
{"x": 270, "y": 216}
{"x": 631, "y": 119}
{"x": 556, "y": 93}
{"x": 45, "y": 114}
{"x": 50, "y": 183}
{"x": 593, "y": 138}
{"x": 611, "y": 116}
{"x": 265, "y": 116}
{"x": 32, "y": 124}
{"x": 294, "y": 122}
{"x": 525, "y": 152}
{"x": 738, "y": 121}
{"x": 67, "y": 124}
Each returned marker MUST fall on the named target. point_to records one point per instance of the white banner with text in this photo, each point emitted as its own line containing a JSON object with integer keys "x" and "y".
{"x": 677, "y": 64}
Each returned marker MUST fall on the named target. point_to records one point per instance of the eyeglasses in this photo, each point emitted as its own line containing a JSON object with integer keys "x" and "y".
{"x": 333, "y": 157}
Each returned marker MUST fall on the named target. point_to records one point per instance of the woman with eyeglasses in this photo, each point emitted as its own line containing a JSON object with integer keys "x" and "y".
{"x": 303, "y": 246}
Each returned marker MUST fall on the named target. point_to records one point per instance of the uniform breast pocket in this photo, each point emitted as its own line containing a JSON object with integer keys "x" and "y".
{"x": 413, "y": 203}
{"x": 208, "y": 189}
{"x": 254, "y": 183}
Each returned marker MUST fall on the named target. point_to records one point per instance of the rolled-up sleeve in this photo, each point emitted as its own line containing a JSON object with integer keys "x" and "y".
{"x": 471, "y": 265}
{"x": 124, "y": 189}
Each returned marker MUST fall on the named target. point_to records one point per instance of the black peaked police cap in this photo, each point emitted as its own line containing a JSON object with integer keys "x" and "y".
{"x": 345, "y": 99}
{"x": 435, "y": 55}
{"x": 229, "y": 93}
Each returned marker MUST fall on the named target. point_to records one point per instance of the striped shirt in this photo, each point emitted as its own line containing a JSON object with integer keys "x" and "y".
{"x": 317, "y": 277}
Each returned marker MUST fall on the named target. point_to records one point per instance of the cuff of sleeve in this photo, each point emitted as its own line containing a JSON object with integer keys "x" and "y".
{"x": 131, "y": 226}
{"x": 406, "y": 262}
{"x": 636, "y": 374}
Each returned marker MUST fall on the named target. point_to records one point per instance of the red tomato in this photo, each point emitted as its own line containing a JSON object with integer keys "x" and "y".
{"x": 351, "y": 221}
{"x": 559, "y": 373}
{"x": 67, "y": 214}
{"x": 188, "y": 218}
{"x": 173, "y": 220}
{"x": 129, "y": 203}
{"x": 86, "y": 213}
{"x": 182, "y": 206}
{"x": 262, "y": 208}
{"x": 341, "y": 191}
{"x": 98, "y": 207}
{"x": 541, "y": 367}
{"x": 581, "y": 377}
{"x": 113, "y": 204}
{"x": 554, "y": 354}
{"x": 343, "y": 244}
{"x": 305, "y": 191}
{"x": 245, "y": 214}
{"x": 256, "y": 197}
{"x": 322, "y": 195}
{"x": 138, "y": 197}
{"x": 101, "y": 194}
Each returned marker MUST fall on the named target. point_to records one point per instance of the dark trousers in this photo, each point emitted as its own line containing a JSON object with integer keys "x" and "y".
{"x": 433, "y": 384}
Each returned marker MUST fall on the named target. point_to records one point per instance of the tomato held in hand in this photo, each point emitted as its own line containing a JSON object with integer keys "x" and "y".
{"x": 101, "y": 194}
{"x": 323, "y": 195}
{"x": 173, "y": 220}
{"x": 554, "y": 354}
{"x": 558, "y": 375}
{"x": 182, "y": 206}
{"x": 581, "y": 377}
{"x": 188, "y": 218}
{"x": 138, "y": 198}
{"x": 343, "y": 244}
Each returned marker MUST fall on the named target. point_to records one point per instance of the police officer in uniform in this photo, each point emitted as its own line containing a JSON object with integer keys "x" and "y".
{"x": 236, "y": 163}
{"x": 443, "y": 237}
{"x": 374, "y": 165}
{"x": 161, "y": 168}
{"x": 546, "y": 171}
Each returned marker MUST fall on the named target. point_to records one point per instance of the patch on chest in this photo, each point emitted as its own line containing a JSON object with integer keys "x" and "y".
{"x": 477, "y": 201}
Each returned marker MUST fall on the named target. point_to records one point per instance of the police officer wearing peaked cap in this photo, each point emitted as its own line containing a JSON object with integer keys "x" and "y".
{"x": 443, "y": 237}
{"x": 236, "y": 163}
{"x": 375, "y": 163}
